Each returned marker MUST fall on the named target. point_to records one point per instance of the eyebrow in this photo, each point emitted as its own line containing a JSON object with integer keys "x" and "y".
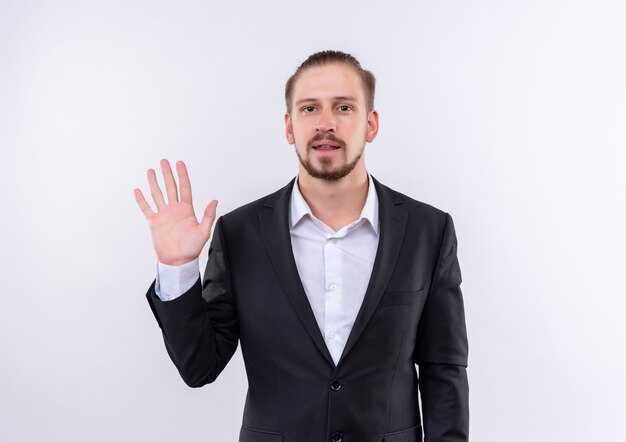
{"x": 339, "y": 98}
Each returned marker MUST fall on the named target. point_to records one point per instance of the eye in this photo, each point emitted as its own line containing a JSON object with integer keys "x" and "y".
{"x": 344, "y": 108}
{"x": 308, "y": 109}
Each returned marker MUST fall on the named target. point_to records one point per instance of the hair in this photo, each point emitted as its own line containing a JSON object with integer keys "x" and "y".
{"x": 323, "y": 58}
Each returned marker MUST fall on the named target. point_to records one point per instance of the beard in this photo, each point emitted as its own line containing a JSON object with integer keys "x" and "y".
{"x": 325, "y": 170}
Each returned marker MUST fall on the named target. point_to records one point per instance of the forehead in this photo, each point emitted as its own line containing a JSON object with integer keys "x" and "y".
{"x": 328, "y": 81}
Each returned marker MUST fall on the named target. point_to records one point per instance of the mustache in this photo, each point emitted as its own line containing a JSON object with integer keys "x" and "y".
{"x": 327, "y": 136}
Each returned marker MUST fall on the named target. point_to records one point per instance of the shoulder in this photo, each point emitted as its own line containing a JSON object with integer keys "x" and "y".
{"x": 250, "y": 211}
{"x": 424, "y": 221}
{"x": 418, "y": 210}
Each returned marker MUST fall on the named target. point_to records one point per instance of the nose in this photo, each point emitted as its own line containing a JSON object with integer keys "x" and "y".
{"x": 326, "y": 121}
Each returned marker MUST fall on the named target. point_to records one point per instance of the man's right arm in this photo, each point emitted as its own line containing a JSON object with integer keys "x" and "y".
{"x": 200, "y": 327}
{"x": 198, "y": 318}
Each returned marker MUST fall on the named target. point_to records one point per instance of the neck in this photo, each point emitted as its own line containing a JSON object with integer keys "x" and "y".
{"x": 336, "y": 203}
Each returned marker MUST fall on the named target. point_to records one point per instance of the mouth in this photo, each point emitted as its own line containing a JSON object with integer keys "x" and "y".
{"x": 325, "y": 146}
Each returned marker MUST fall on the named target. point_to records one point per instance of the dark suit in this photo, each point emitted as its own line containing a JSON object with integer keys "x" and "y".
{"x": 412, "y": 313}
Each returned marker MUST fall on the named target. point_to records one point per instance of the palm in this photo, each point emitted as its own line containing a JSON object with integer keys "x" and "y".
{"x": 177, "y": 235}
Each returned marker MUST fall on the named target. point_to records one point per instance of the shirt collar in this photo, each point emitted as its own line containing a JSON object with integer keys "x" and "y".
{"x": 298, "y": 207}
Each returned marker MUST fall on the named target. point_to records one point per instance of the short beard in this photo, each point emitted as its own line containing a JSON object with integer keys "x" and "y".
{"x": 325, "y": 173}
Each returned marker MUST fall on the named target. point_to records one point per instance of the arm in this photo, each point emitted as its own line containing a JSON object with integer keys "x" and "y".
{"x": 441, "y": 350}
{"x": 200, "y": 328}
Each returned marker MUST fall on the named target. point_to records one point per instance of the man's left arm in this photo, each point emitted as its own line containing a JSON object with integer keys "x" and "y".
{"x": 441, "y": 350}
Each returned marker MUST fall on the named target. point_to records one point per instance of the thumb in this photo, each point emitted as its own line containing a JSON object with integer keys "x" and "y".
{"x": 209, "y": 217}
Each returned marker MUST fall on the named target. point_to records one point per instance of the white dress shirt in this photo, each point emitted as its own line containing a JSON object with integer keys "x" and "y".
{"x": 334, "y": 266}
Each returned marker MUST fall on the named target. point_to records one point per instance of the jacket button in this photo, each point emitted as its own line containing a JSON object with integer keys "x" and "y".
{"x": 337, "y": 436}
{"x": 335, "y": 386}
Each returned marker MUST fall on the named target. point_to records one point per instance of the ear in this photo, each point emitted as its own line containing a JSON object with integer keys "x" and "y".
{"x": 289, "y": 129}
{"x": 372, "y": 126}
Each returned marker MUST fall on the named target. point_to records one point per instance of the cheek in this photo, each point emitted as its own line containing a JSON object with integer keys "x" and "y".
{"x": 298, "y": 130}
{"x": 302, "y": 134}
{"x": 357, "y": 131}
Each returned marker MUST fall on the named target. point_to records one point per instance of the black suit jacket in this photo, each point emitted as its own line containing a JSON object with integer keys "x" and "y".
{"x": 412, "y": 314}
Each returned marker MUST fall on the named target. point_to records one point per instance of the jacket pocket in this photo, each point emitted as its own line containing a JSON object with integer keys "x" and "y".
{"x": 413, "y": 434}
{"x": 250, "y": 435}
{"x": 401, "y": 298}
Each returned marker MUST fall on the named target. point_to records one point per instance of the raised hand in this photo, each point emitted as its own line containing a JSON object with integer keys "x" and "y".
{"x": 177, "y": 236}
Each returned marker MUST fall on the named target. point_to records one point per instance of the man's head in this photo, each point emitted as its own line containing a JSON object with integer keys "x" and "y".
{"x": 330, "y": 114}
{"x": 333, "y": 57}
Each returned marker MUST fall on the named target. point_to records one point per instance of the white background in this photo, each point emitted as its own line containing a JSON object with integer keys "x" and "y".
{"x": 508, "y": 115}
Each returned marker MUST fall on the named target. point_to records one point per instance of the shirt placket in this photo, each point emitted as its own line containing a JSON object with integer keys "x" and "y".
{"x": 333, "y": 292}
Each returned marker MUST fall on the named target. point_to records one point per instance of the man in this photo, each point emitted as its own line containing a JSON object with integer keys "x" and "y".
{"x": 336, "y": 285}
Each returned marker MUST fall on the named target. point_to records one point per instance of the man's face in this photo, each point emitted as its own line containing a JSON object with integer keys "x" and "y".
{"x": 329, "y": 122}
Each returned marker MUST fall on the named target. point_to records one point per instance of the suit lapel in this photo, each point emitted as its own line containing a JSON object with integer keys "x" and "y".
{"x": 275, "y": 228}
{"x": 392, "y": 226}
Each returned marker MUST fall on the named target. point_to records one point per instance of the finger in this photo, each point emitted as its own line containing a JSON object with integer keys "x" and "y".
{"x": 155, "y": 190}
{"x": 143, "y": 204}
{"x": 208, "y": 217}
{"x": 170, "y": 184}
{"x": 183, "y": 182}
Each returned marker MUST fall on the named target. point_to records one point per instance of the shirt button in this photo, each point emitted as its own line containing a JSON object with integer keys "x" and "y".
{"x": 337, "y": 436}
{"x": 331, "y": 335}
{"x": 333, "y": 287}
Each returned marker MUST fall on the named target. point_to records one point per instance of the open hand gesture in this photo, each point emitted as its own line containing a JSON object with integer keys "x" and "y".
{"x": 177, "y": 236}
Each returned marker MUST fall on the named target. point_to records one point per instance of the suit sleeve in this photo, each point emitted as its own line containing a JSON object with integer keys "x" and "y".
{"x": 441, "y": 350}
{"x": 200, "y": 328}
